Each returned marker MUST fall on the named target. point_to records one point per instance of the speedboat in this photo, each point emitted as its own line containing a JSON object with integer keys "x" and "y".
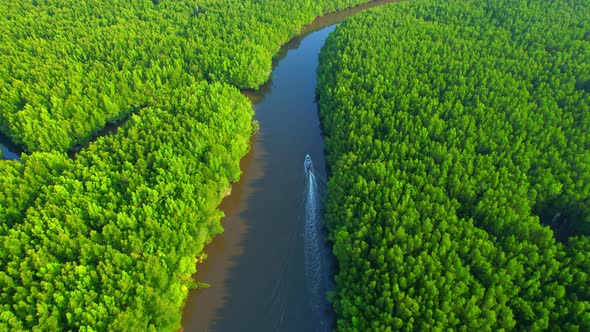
{"x": 308, "y": 164}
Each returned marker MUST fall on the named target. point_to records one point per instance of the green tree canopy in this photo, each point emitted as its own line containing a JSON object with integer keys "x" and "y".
{"x": 457, "y": 132}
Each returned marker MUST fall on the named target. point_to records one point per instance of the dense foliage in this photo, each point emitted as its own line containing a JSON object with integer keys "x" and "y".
{"x": 107, "y": 240}
{"x": 114, "y": 234}
{"x": 455, "y": 131}
{"x": 67, "y": 67}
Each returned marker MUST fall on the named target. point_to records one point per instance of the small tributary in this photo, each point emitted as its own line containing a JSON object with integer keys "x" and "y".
{"x": 9, "y": 150}
{"x": 259, "y": 270}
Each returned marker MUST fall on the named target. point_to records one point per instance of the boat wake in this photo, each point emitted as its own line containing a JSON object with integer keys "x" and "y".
{"x": 316, "y": 269}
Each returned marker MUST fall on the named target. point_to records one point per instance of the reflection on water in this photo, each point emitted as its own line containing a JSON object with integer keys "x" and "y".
{"x": 221, "y": 253}
{"x": 9, "y": 150}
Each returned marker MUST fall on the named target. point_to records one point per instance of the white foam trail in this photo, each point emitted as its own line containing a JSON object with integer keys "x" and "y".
{"x": 313, "y": 245}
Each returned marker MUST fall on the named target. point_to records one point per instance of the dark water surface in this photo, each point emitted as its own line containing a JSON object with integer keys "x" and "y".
{"x": 257, "y": 268}
{"x": 9, "y": 150}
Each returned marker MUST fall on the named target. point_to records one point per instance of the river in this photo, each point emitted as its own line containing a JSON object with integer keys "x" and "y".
{"x": 258, "y": 268}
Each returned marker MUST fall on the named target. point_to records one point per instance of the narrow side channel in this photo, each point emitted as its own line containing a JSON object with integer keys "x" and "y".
{"x": 10, "y": 151}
